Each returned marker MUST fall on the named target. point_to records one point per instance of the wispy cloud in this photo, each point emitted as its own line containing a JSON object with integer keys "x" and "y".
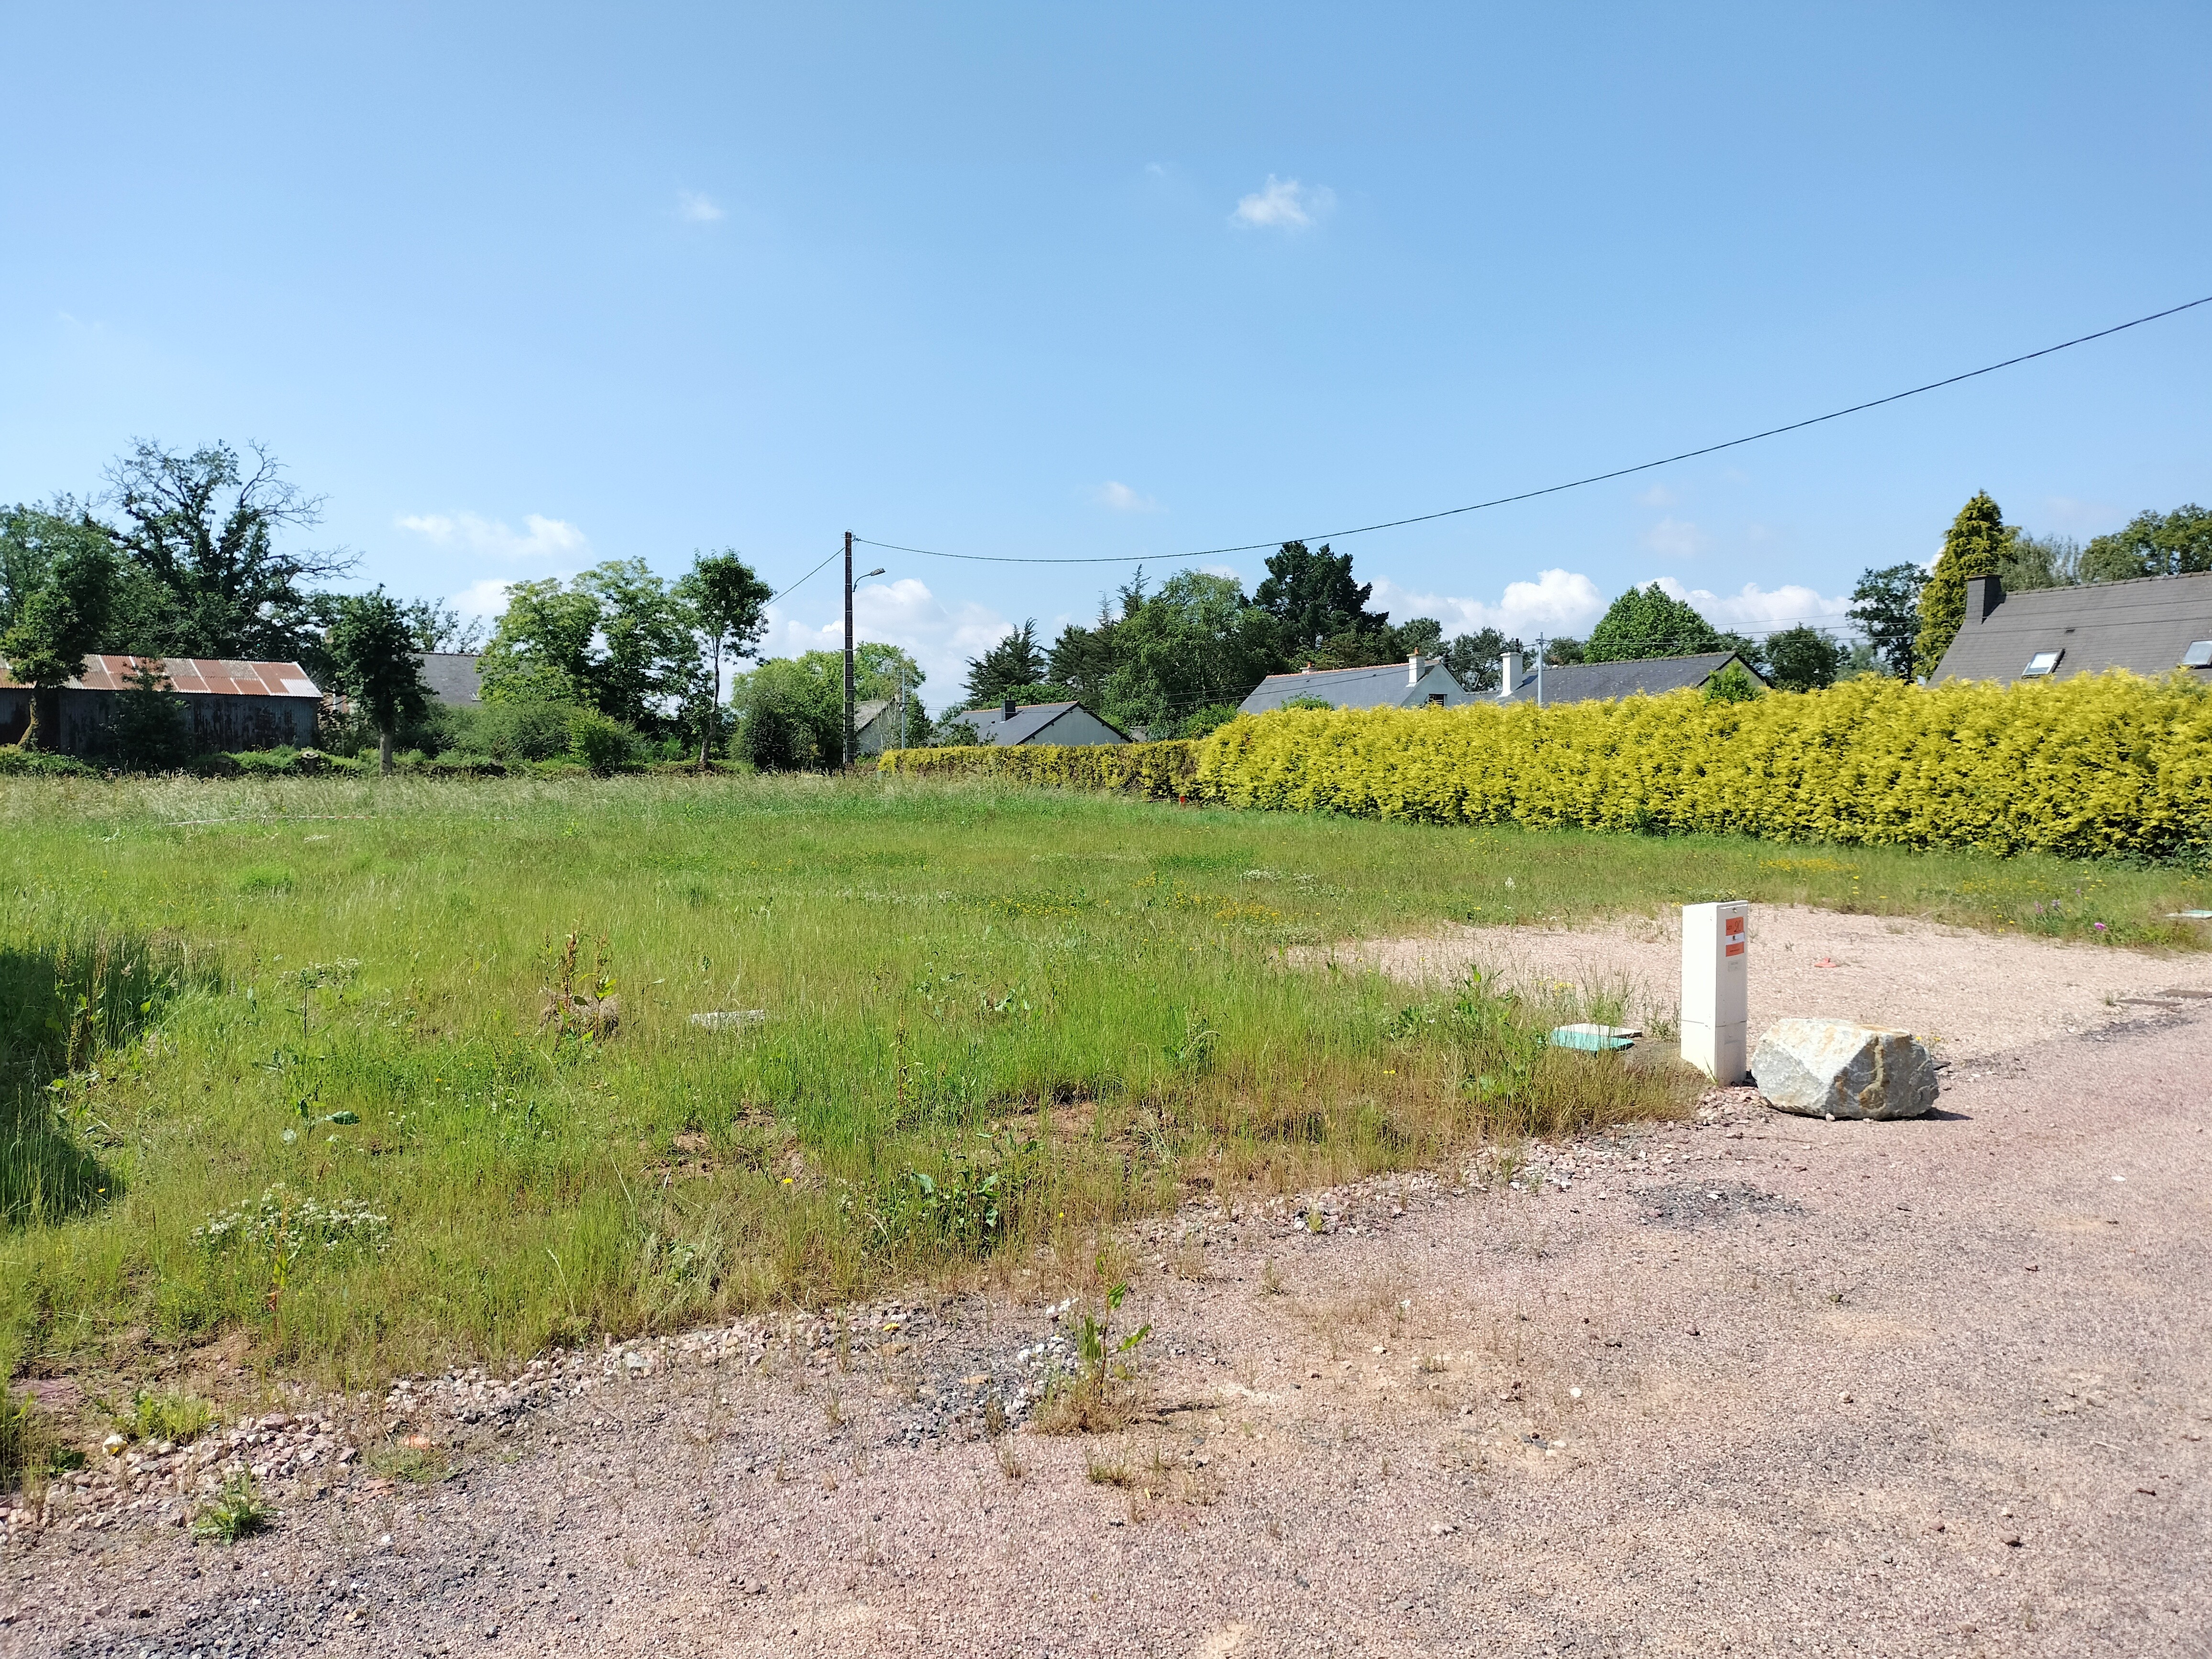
{"x": 1284, "y": 204}
{"x": 1658, "y": 496}
{"x": 697, "y": 207}
{"x": 1557, "y": 602}
{"x": 468, "y": 532}
{"x": 486, "y": 598}
{"x": 1122, "y": 499}
{"x": 1676, "y": 538}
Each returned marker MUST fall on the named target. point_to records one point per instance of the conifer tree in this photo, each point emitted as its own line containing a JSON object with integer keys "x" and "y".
{"x": 1975, "y": 545}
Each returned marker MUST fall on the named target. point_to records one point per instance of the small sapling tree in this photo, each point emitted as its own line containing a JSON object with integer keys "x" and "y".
{"x": 372, "y": 648}
{"x": 727, "y": 602}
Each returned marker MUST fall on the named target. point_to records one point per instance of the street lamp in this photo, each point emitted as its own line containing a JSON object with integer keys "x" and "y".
{"x": 850, "y": 581}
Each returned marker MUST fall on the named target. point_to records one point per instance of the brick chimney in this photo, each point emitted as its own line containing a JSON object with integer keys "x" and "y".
{"x": 1006, "y": 706}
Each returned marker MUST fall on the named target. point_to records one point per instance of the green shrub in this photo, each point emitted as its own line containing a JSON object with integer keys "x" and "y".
{"x": 1164, "y": 771}
{"x": 38, "y": 764}
{"x": 511, "y": 731}
{"x": 2086, "y": 767}
{"x": 605, "y": 745}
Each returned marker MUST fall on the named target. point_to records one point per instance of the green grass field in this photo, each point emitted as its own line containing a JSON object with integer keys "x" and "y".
{"x": 989, "y": 1021}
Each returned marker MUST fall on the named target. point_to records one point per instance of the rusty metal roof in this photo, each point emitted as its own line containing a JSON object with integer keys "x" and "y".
{"x": 218, "y": 677}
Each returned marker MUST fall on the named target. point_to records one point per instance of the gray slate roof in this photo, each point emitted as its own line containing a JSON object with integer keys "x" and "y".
{"x": 2145, "y": 626}
{"x": 450, "y": 675}
{"x": 1386, "y": 686}
{"x": 1594, "y": 682}
{"x": 1028, "y": 724}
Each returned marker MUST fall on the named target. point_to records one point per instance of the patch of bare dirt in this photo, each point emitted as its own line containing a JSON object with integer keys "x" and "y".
{"x": 1968, "y": 995}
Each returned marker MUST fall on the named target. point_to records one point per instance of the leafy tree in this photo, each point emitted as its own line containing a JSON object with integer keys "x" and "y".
{"x": 55, "y": 627}
{"x": 541, "y": 647}
{"x": 2037, "y": 561}
{"x": 1312, "y": 597}
{"x": 1474, "y": 658}
{"x": 373, "y": 651}
{"x": 1649, "y": 621}
{"x": 614, "y": 639}
{"x": 1803, "y": 658}
{"x": 728, "y": 606}
{"x": 1886, "y": 605}
{"x": 141, "y": 612}
{"x": 1014, "y": 660}
{"x": 152, "y": 729}
{"x": 1977, "y": 544}
{"x": 437, "y": 625}
{"x": 1210, "y": 718}
{"x": 1564, "y": 650}
{"x": 1197, "y": 641}
{"x": 206, "y": 527}
{"x": 2175, "y": 543}
{"x": 1734, "y": 684}
{"x": 791, "y": 712}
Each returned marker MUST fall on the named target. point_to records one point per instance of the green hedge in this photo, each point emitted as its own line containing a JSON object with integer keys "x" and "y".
{"x": 1164, "y": 771}
{"x": 2113, "y": 763}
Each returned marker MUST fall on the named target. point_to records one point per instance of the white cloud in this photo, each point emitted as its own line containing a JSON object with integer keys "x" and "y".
{"x": 1756, "y": 610}
{"x": 1283, "y": 203}
{"x": 468, "y": 532}
{"x": 697, "y": 208}
{"x": 904, "y": 613}
{"x": 1557, "y": 602}
{"x": 486, "y": 598}
{"x": 1676, "y": 538}
{"x": 1658, "y": 496}
{"x": 1122, "y": 499}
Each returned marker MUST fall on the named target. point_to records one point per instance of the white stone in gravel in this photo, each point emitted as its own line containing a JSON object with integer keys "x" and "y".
{"x": 1837, "y": 1068}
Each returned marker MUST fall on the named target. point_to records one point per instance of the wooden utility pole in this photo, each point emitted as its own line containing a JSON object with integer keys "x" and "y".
{"x": 848, "y": 649}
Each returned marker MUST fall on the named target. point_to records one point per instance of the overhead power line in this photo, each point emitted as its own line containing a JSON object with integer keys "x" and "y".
{"x": 1548, "y": 490}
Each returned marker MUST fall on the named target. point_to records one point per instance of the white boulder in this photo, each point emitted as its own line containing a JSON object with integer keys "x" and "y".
{"x": 1837, "y": 1068}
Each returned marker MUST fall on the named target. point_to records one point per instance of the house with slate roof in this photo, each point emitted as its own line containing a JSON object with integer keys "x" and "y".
{"x": 2150, "y": 626}
{"x": 1595, "y": 681}
{"x": 450, "y": 675}
{"x": 230, "y": 704}
{"x": 1418, "y": 683}
{"x": 1068, "y": 723}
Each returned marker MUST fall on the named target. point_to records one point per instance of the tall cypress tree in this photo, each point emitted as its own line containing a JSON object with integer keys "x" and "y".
{"x": 1975, "y": 545}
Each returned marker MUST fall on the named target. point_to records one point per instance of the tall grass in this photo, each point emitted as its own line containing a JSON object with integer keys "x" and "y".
{"x": 963, "y": 1021}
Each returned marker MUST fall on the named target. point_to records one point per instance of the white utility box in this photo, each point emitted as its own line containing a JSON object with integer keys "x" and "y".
{"x": 1716, "y": 997}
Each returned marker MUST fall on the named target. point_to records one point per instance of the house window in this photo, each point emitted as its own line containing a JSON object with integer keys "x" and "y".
{"x": 2042, "y": 662}
{"x": 1436, "y": 699}
{"x": 2199, "y": 654}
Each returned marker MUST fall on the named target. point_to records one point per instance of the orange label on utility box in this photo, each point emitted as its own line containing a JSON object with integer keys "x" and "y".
{"x": 1732, "y": 925}
{"x": 1736, "y": 949}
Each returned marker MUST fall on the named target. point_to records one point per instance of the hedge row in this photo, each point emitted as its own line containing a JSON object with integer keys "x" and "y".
{"x": 2091, "y": 766}
{"x": 1164, "y": 771}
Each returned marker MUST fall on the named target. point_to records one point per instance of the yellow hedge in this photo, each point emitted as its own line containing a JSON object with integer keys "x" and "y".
{"x": 2113, "y": 763}
{"x": 2085, "y": 767}
{"x": 1162, "y": 770}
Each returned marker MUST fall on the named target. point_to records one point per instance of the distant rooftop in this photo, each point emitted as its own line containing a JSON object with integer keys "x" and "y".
{"x": 1386, "y": 686}
{"x": 2148, "y": 626}
{"x": 452, "y": 676}
{"x": 193, "y": 676}
{"x": 1604, "y": 681}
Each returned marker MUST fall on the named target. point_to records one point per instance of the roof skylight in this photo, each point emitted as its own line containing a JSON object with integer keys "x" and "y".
{"x": 2042, "y": 662}
{"x": 2199, "y": 654}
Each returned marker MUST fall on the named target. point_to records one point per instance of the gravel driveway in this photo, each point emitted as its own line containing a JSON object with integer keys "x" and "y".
{"x": 1756, "y": 1384}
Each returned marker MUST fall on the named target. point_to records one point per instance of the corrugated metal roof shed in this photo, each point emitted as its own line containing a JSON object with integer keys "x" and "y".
{"x": 2146, "y": 626}
{"x": 194, "y": 676}
{"x": 1604, "y": 681}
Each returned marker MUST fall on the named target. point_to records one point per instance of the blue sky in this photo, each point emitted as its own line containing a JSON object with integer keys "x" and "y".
{"x": 521, "y": 288}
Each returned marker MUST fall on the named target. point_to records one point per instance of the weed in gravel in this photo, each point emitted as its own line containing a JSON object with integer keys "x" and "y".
{"x": 1108, "y": 1469}
{"x": 1010, "y": 1460}
{"x": 1100, "y": 1396}
{"x": 236, "y": 1511}
{"x": 416, "y": 1460}
{"x": 165, "y": 1414}
{"x": 1271, "y": 1278}
{"x": 833, "y": 1410}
